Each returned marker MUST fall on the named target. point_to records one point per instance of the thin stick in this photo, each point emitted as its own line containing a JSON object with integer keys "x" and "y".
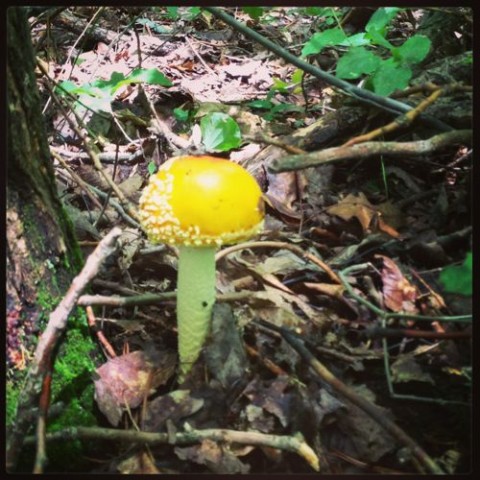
{"x": 371, "y": 149}
{"x": 293, "y": 248}
{"x": 294, "y": 444}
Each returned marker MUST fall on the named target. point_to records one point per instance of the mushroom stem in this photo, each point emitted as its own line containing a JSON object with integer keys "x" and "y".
{"x": 195, "y": 300}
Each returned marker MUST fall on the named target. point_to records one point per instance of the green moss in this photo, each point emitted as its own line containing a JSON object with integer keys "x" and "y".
{"x": 75, "y": 358}
{"x": 72, "y": 384}
{"x": 72, "y": 455}
{"x": 12, "y": 395}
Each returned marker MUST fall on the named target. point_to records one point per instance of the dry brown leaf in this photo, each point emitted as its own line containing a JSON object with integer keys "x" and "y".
{"x": 125, "y": 381}
{"x": 399, "y": 295}
{"x": 358, "y": 206}
{"x": 354, "y": 207}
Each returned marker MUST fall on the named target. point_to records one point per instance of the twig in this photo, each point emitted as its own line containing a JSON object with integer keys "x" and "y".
{"x": 172, "y": 138}
{"x": 371, "y": 409}
{"x": 383, "y": 317}
{"x": 92, "y": 323}
{"x": 155, "y": 298}
{"x": 400, "y": 122}
{"x": 293, "y": 248}
{"x": 105, "y": 157}
{"x": 375, "y": 332}
{"x": 273, "y": 367}
{"x": 202, "y": 61}
{"x": 116, "y": 206}
{"x": 294, "y": 444}
{"x": 47, "y": 344}
{"x": 370, "y": 149}
{"x": 365, "y": 96}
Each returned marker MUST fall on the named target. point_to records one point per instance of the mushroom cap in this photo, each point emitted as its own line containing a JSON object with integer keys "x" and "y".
{"x": 201, "y": 201}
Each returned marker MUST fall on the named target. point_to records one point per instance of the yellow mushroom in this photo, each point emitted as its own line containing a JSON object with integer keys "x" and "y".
{"x": 199, "y": 203}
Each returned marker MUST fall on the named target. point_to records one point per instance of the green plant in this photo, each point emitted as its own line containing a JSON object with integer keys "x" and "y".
{"x": 385, "y": 75}
{"x": 458, "y": 279}
{"x": 99, "y": 94}
{"x": 273, "y": 109}
{"x": 254, "y": 12}
{"x": 220, "y": 132}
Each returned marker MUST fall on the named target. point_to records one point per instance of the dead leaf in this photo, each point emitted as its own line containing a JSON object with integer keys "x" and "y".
{"x": 271, "y": 396}
{"x": 406, "y": 369}
{"x": 354, "y": 207}
{"x": 125, "y": 381}
{"x": 172, "y": 406}
{"x": 283, "y": 188}
{"x": 360, "y": 208}
{"x": 139, "y": 463}
{"x": 399, "y": 295}
{"x": 218, "y": 458}
{"x": 131, "y": 187}
{"x": 366, "y": 439}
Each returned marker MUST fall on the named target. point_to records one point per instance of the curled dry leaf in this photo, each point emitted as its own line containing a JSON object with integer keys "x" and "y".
{"x": 399, "y": 295}
{"x": 358, "y": 206}
{"x": 124, "y": 381}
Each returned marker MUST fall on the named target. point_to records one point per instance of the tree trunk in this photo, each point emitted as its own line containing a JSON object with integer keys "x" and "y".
{"x": 42, "y": 252}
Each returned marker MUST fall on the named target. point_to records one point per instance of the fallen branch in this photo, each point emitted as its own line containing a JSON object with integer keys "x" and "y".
{"x": 281, "y": 442}
{"x": 47, "y": 345}
{"x": 370, "y": 149}
{"x": 156, "y": 298}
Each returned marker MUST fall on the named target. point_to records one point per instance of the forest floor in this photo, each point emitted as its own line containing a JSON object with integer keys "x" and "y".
{"x": 360, "y": 264}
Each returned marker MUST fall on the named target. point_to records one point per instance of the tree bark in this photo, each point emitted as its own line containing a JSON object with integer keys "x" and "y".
{"x": 42, "y": 252}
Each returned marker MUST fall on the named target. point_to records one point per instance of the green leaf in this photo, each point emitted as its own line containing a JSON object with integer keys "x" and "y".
{"x": 357, "y": 62}
{"x": 172, "y": 12}
{"x": 193, "y": 12}
{"x": 279, "y": 85}
{"x": 253, "y": 12}
{"x": 390, "y": 76}
{"x": 66, "y": 86}
{"x": 317, "y": 11}
{"x": 180, "y": 114}
{"x": 110, "y": 86}
{"x": 356, "y": 40}
{"x": 152, "y": 168}
{"x": 154, "y": 26}
{"x": 381, "y": 18}
{"x": 414, "y": 50}
{"x": 458, "y": 279}
{"x": 282, "y": 108}
{"x": 151, "y": 76}
{"x": 220, "y": 132}
{"x": 263, "y": 104}
{"x": 319, "y": 41}
{"x": 297, "y": 75}
{"x": 378, "y": 39}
